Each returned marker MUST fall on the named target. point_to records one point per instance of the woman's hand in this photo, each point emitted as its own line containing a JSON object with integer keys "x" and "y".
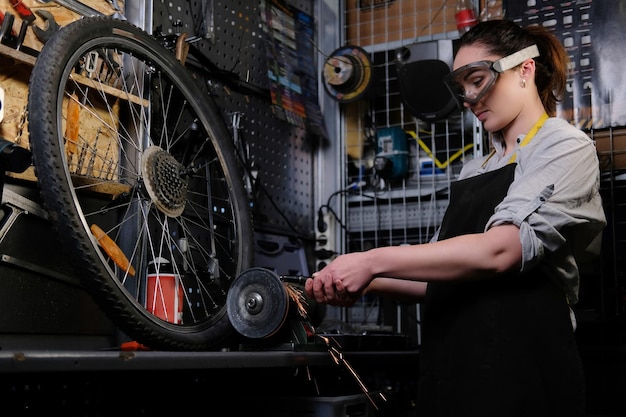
{"x": 341, "y": 282}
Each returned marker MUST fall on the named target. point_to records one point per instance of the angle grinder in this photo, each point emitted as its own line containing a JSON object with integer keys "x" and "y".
{"x": 260, "y": 303}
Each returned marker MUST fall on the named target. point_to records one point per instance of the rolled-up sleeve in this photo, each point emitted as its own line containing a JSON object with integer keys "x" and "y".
{"x": 555, "y": 201}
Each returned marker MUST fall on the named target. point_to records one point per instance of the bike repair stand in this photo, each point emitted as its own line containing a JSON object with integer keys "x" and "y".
{"x": 13, "y": 158}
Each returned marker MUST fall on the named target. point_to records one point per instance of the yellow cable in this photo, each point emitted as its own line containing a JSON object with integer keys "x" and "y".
{"x": 429, "y": 153}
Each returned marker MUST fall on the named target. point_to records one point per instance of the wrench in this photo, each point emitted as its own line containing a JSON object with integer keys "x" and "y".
{"x": 76, "y": 6}
{"x": 51, "y": 26}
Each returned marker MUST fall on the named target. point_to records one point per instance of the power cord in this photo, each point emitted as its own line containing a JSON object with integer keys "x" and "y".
{"x": 321, "y": 224}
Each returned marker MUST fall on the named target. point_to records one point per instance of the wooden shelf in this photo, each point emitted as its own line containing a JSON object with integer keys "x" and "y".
{"x": 17, "y": 55}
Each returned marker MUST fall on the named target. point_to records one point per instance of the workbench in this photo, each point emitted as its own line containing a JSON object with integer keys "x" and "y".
{"x": 264, "y": 382}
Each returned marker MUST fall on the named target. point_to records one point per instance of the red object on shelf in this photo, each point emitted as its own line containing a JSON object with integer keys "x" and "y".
{"x": 164, "y": 293}
{"x": 465, "y": 16}
{"x": 133, "y": 345}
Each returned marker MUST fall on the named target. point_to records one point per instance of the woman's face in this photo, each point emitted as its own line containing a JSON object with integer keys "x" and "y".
{"x": 502, "y": 103}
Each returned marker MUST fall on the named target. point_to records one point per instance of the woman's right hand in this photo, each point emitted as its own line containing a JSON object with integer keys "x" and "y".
{"x": 342, "y": 282}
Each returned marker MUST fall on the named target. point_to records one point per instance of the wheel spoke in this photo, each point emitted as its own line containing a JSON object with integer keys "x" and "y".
{"x": 155, "y": 169}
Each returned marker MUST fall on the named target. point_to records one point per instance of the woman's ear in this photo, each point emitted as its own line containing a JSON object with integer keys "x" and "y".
{"x": 527, "y": 68}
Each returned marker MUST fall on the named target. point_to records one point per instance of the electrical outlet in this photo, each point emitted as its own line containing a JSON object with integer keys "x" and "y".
{"x": 326, "y": 245}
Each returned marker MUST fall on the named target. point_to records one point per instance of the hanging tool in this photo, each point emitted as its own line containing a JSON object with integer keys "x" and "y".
{"x": 50, "y": 26}
{"x": 75, "y": 6}
{"x": 27, "y": 17}
{"x": 8, "y": 28}
{"x": 81, "y": 8}
{"x": 22, "y": 35}
{"x": 23, "y": 11}
{"x": 8, "y": 37}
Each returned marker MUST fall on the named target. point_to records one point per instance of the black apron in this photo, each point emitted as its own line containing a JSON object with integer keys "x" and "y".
{"x": 500, "y": 347}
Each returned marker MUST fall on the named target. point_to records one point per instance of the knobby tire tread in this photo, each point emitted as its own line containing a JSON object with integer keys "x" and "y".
{"x": 59, "y": 201}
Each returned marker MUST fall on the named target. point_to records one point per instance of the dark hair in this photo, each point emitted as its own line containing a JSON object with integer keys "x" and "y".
{"x": 504, "y": 37}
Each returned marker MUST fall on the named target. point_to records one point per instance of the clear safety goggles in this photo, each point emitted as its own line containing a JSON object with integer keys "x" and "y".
{"x": 472, "y": 82}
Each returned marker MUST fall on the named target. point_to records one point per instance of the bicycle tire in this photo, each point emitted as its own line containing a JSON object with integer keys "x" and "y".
{"x": 146, "y": 173}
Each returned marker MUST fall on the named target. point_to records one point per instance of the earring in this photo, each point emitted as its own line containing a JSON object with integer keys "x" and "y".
{"x": 523, "y": 83}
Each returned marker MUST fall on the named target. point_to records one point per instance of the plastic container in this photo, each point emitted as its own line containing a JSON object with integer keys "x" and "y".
{"x": 465, "y": 15}
{"x": 164, "y": 293}
{"x": 492, "y": 11}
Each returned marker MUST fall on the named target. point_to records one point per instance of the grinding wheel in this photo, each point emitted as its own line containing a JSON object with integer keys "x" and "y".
{"x": 257, "y": 303}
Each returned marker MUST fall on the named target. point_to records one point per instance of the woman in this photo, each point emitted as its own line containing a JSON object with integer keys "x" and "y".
{"x": 497, "y": 281}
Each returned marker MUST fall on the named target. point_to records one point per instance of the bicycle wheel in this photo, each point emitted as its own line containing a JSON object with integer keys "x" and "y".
{"x": 139, "y": 174}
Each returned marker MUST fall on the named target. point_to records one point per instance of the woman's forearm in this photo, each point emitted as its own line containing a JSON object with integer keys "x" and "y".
{"x": 403, "y": 291}
{"x": 482, "y": 254}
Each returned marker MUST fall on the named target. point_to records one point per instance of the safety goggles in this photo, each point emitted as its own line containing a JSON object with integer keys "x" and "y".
{"x": 472, "y": 82}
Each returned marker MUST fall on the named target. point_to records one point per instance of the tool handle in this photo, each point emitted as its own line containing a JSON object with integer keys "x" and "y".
{"x": 23, "y": 11}
{"x": 111, "y": 248}
{"x": 7, "y": 26}
{"x": 22, "y": 35}
{"x": 294, "y": 279}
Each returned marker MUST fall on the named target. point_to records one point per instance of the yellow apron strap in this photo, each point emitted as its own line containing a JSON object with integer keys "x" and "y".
{"x": 530, "y": 135}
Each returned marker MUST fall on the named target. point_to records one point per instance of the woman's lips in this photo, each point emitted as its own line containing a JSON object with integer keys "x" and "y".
{"x": 481, "y": 115}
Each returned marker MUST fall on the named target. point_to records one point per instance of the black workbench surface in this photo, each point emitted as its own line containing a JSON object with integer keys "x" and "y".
{"x": 78, "y": 361}
{"x": 260, "y": 383}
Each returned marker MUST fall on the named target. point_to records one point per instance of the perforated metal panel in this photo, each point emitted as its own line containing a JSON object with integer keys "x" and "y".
{"x": 230, "y": 34}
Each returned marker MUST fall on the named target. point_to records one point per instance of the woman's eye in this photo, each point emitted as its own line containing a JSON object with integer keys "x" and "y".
{"x": 477, "y": 82}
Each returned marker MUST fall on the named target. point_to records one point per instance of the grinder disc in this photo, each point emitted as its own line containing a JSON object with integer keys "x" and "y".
{"x": 347, "y": 74}
{"x": 257, "y": 303}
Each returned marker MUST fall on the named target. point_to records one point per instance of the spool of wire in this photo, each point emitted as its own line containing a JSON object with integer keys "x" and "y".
{"x": 347, "y": 74}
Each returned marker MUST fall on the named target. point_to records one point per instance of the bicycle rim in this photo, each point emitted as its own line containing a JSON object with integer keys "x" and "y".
{"x": 141, "y": 180}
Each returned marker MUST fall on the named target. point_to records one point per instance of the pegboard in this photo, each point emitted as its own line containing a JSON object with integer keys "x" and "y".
{"x": 278, "y": 155}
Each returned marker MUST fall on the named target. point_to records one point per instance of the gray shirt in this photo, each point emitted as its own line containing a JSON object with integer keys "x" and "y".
{"x": 554, "y": 200}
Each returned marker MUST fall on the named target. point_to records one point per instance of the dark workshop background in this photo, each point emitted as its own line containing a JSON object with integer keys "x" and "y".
{"x": 316, "y": 189}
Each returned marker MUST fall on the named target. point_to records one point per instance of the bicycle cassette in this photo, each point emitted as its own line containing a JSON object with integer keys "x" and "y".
{"x": 165, "y": 184}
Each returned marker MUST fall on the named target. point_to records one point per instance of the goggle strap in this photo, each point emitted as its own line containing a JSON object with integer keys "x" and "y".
{"x": 515, "y": 59}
